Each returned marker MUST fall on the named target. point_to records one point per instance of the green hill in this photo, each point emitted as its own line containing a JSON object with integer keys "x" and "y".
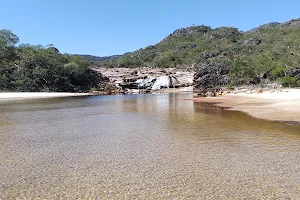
{"x": 271, "y": 50}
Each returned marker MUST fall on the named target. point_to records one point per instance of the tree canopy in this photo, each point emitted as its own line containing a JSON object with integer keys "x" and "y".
{"x": 37, "y": 68}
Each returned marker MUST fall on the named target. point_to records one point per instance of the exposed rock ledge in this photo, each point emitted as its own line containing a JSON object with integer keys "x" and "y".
{"x": 145, "y": 80}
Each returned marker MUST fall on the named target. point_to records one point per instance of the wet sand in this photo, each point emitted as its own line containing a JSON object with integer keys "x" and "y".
{"x": 271, "y": 105}
{"x": 34, "y": 95}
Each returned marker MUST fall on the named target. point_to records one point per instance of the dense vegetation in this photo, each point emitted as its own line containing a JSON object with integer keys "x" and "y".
{"x": 37, "y": 68}
{"x": 271, "y": 51}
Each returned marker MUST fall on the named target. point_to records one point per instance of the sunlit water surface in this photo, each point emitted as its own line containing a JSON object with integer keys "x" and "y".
{"x": 143, "y": 147}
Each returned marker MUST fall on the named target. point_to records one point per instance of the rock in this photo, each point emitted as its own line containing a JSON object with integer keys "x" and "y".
{"x": 210, "y": 76}
{"x": 131, "y": 80}
{"x": 209, "y": 94}
{"x": 146, "y": 91}
{"x": 164, "y": 82}
{"x": 252, "y": 41}
{"x": 128, "y": 85}
{"x": 290, "y": 24}
{"x": 135, "y": 72}
{"x": 146, "y": 83}
{"x": 108, "y": 88}
{"x": 294, "y": 72}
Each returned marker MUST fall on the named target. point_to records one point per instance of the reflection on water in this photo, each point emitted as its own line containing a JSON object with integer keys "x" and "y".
{"x": 141, "y": 146}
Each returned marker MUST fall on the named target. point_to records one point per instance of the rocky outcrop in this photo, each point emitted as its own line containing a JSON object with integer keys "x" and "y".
{"x": 151, "y": 83}
{"x": 252, "y": 41}
{"x": 209, "y": 76}
{"x": 164, "y": 82}
{"x": 294, "y": 72}
{"x": 144, "y": 80}
{"x": 290, "y": 24}
{"x": 104, "y": 86}
{"x": 146, "y": 83}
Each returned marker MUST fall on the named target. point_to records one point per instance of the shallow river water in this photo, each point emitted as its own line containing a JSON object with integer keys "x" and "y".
{"x": 157, "y": 146}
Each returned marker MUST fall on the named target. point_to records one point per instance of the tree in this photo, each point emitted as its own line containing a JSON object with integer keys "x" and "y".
{"x": 8, "y": 38}
{"x": 38, "y": 68}
{"x": 240, "y": 73}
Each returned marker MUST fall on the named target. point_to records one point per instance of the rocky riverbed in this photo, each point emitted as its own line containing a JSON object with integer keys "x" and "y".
{"x": 146, "y": 80}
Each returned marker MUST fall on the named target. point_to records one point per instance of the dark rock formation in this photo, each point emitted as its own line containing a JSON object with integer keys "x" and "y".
{"x": 294, "y": 72}
{"x": 107, "y": 88}
{"x": 104, "y": 86}
{"x": 128, "y": 85}
{"x": 210, "y": 76}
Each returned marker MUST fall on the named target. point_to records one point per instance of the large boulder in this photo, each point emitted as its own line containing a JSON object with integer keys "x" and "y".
{"x": 210, "y": 75}
{"x": 146, "y": 83}
{"x": 164, "y": 82}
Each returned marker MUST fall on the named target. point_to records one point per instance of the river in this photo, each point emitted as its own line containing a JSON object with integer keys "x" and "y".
{"x": 158, "y": 146}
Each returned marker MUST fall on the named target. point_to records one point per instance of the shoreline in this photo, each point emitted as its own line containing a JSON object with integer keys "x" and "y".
{"x": 4, "y": 96}
{"x": 281, "y": 105}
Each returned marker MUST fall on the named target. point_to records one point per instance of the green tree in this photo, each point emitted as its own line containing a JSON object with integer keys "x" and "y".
{"x": 241, "y": 73}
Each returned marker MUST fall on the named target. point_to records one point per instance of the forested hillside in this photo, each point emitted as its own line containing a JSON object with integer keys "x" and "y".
{"x": 37, "y": 68}
{"x": 271, "y": 51}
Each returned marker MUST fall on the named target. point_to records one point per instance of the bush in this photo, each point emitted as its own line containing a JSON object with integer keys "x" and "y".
{"x": 288, "y": 81}
{"x": 240, "y": 73}
{"x": 278, "y": 72}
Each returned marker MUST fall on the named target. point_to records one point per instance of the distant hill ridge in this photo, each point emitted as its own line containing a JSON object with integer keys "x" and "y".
{"x": 91, "y": 58}
{"x": 187, "y": 46}
{"x": 188, "y": 39}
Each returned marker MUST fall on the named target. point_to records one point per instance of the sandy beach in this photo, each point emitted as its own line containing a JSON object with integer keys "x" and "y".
{"x": 33, "y": 95}
{"x": 283, "y": 105}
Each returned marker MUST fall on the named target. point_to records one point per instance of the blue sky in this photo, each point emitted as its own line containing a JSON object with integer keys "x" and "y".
{"x": 107, "y": 27}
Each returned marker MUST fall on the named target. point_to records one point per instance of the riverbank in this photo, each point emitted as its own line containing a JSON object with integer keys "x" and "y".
{"x": 34, "y": 95}
{"x": 283, "y": 105}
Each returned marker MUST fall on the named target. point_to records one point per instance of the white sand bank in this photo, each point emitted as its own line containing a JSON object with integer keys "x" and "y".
{"x": 33, "y": 95}
{"x": 278, "y": 106}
